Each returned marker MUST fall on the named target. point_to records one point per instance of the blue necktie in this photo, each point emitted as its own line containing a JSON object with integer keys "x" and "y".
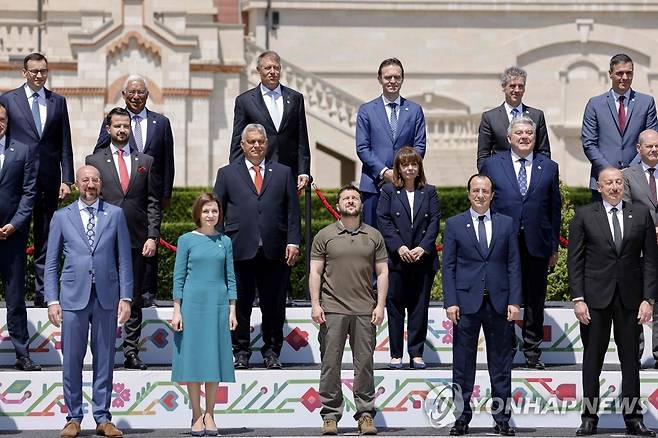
{"x": 515, "y": 113}
{"x": 36, "y": 115}
{"x": 137, "y": 133}
{"x": 274, "y": 110}
{"x": 482, "y": 235}
{"x": 394, "y": 119}
{"x": 91, "y": 227}
{"x": 523, "y": 177}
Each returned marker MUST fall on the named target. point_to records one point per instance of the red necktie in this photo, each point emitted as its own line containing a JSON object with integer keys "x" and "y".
{"x": 622, "y": 113}
{"x": 258, "y": 179}
{"x": 652, "y": 184}
{"x": 124, "y": 179}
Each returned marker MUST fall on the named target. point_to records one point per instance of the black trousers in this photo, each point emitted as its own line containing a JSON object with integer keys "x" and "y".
{"x": 45, "y": 205}
{"x": 12, "y": 273}
{"x": 409, "y": 290}
{"x": 269, "y": 276}
{"x": 133, "y": 327}
{"x": 596, "y": 337}
{"x": 150, "y": 283}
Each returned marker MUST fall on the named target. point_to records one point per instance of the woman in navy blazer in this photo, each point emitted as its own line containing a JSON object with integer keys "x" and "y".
{"x": 408, "y": 217}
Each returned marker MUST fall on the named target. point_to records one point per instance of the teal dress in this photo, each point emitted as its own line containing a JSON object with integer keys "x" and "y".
{"x": 204, "y": 281}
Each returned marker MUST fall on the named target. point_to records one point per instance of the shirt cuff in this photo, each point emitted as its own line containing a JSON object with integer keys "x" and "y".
{"x": 130, "y": 300}
{"x": 293, "y": 244}
{"x": 304, "y": 174}
{"x": 381, "y": 174}
{"x": 575, "y": 300}
{"x": 50, "y": 303}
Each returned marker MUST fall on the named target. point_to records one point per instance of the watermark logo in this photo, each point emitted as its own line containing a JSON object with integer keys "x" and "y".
{"x": 444, "y": 404}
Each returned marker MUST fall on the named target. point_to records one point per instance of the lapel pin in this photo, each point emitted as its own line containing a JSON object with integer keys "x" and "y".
{"x": 539, "y": 167}
{"x": 109, "y": 161}
{"x": 630, "y": 216}
{"x": 406, "y": 108}
{"x": 398, "y": 192}
{"x": 105, "y": 213}
{"x": 11, "y": 149}
{"x": 288, "y": 102}
{"x": 269, "y": 170}
{"x": 136, "y": 158}
{"x": 468, "y": 225}
{"x": 154, "y": 122}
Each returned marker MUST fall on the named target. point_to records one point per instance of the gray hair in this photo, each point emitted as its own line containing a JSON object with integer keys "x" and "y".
{"x": 253, "y": 127}
{"x": 135, "y": 78}
{"x": 521, "y": 120}
{"x": 268, "y": 54}
{"x": 512, "y": 72}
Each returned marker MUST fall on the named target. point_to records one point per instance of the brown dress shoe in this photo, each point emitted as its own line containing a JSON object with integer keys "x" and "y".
{"x": 108, "y": 429}
{"x": 71, "y": 430}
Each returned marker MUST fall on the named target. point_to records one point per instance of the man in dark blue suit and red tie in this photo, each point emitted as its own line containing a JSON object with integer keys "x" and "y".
{"x": 383, "y": 126}
{"x": 39, "y": 118}
{"x": 482, "y": 288}
{"x": 528, "y": 190}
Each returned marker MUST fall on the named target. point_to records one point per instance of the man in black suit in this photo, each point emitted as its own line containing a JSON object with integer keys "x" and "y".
{"x": 18, "y": 179}
{"x": 129, "y": 182}
{"x": 492, "y": 136}
{"x": 151, "y": 135}
{"x": 610, "y": 283}
{"x": 261, "y": 216}
{"x": 281, "y": 111}
{"x": 39, "y": 119}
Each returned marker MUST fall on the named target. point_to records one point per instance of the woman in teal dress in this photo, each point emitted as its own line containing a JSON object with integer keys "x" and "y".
{"x": 204, "y": 312}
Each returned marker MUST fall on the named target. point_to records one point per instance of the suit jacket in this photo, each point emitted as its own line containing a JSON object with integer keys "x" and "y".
{"x": 466, "y": 271}
{"x": 376, "y": 147}
{"x": 53, "y": 149}
{"x": 539, "y": 211}
{"x": 288, "y": 145}
{"x": 604, "y": 144}
{"x": 637, "y": 191}
{"x": 272, "y": 216}
{"x": 492, "y": 134}
{"x": 141, "y": 203}
{"x": 18, "y": 186}
{"x": 595, "y": 268}
{"x": 109, "y": 259}
{"x": 394, "y": 222}
{"x": 159, "y": 145}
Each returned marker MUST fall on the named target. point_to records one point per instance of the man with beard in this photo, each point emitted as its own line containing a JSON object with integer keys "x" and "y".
{"x": 344, "y": 257}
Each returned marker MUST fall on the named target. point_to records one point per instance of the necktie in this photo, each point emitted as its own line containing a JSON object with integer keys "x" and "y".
{"x": 274, "y": 110}
{"x": 482, "y": 235}
{"x": 36, "y": 115}
{"x": 258, "y": 179}
{"x": 652, "y": 184}
{"x": 523, "y": 177}
{"x": 91, "y": 227}
{"x": 515, "y": 113}
{"x": 124, "y": 179}
{"x": 622, "y": 113}
{"x": 137, "y": 133}
{"x": 616, "y": 229}
{"x": 394, "y": 119}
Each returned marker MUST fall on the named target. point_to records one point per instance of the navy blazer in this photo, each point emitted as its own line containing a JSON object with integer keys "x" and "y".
{"x": 53, "y": 148}
{"x": 159, "y": 145}
{"x": 604, "y": 144}
{"x": 539, "y": 211}
{"x": 376, "y": 147}
{"x": 272, "y": 216}
{"x": 466, "y": 270}
{"x": 18, "y": 186}
{"x": 394, "y": 222}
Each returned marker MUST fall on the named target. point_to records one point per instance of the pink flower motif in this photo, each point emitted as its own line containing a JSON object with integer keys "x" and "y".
{"x": 121, "y": 394}
{"x": 447, "y": 338}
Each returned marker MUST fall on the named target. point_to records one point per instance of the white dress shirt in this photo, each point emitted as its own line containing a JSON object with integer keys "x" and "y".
{"x": 126, "y": 157}
{"x": 620, "y": 217}
{"x": 528, "y": 166}
{"x": 252, "y": 172}
{"x": 3, "y": 140}
{"x": 487, "y": 224}
{"x": 43, "y": 110}
{"x": 143, "y": 124}
{"x": 410, "y": 198}
{"x": 278, "y": 101}
{"x": 397, "y": 101}
{"x": 509, "y": 108}
{"x": 647, "y": 175}
{"x": 627, "y": 96}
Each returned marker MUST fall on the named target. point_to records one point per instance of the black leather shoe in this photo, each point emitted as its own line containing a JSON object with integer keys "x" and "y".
{"x": 535, "y": 364}
{"x": 637, "y": 427}
{"x": 40, "y": 302}
{"x": 504, "y": 429}
{"x": 26, "y": 364}
{"x": 133, "y": 362}
{"x": 460, "y": 428}
{"x": 241, "y": 363}
{"x": 587, "y": 427}
{"x": 272, "y": 363}
{"x": 655, "y": 365}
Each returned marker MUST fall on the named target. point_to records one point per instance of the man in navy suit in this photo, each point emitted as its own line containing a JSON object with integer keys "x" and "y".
{"x": 94, "y": 289}
{"x": 151, "y": 135}
{"x": 482, "y": 288}
{"x": 492, "y": 134}
{"x": 383, "y": 126}
{"x": 528, "y": 190}
{"x": 281, "y": 111}
{"x": 261, "y": 216}
{"x": 18, "y": 179}
{"x": 39, "y": 119}
{"x": 614, "y": 120}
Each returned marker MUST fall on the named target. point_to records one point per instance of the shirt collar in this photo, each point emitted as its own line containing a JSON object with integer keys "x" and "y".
{"x": 265, "y": 91}
{"x": 3, "y": 142}
{"x": 83, "y": 206}
{"x": 143, "y": 114}
{"x": 509, "y": 108}
{"x": 396, "y": 101}
{"x": 515, "y": 157}
{"x": 29, "y": 92}
{"x": 475, "y": 215}
{"x": 249, "y": 164}
{"x": 645, "y": 166}
{"x": 114, "y": 149}
{"x": 609, "y": 206}
{"x": 627, "y": 94}
{"x": 341, "y": 228}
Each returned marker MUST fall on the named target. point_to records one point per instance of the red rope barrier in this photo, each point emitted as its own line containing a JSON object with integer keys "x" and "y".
{"x": 324, "y": 202}
{"x": 167, "y": 245}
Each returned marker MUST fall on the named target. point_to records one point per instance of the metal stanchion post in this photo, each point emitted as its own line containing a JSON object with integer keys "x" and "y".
{"x": 307, "y": 234}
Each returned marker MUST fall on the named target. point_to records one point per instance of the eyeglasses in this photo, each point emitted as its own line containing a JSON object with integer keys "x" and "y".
{"x": 44, "y": 72}
{"x": 88, "y": 180}
{"x": 136, "y": 92}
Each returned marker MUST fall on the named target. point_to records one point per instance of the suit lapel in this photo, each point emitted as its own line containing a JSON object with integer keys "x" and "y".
{"x": 287, "y": 107}
{"x": 380, "y": 111}
{"x": 246, "y": 175}
{"x": 404, "y": 200}
{"x": 21, "y": 99}
{"x": 259, "y": 104}
{"x": 610, "y": 99}
{"x": 151, "y": 126}
{"x": 503, "y": 119}
{"x": 134, "y": 165}
{"x": 601, "y": 218}
{"x": 637, "y": 174}
{"x": 10, "y": 155}
{"x": 508, "y": 168}
{"x": 74, "y": 216}
{"x": 468, "y": 225}
{"x": 419, "y": 197}
{"x": 627, "y": 210}
{"x": 403, "y": 116}
{"x": 537, "y": 171}
{"x": 101, "y": 217}
{"x": 267, "y": 177}
{"x": 629, "y": 110}
{"x": 110, "y": 167}
{"x": 494, "y": 231}
{"x": 50, "y": 110}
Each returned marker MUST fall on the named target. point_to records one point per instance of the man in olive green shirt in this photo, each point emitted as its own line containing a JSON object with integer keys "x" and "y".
{"x": 343, "y": 258}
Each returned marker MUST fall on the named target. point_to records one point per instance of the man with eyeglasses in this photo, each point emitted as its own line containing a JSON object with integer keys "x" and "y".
{"x": 383, "y": 126}
{"x": 39, "y": 118}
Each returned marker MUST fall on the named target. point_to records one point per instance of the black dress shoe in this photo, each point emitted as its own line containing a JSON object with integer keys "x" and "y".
{"x": 26, "y": 364}
{"x": 504, "y": 429}
{"x": 637, "y": 427}
{"x": 460, "y": 428}
{"x": 587, "y": 427}
{"x": 133, "y": 362}
{"x": 535, "y": 364}
{"x": 655, "y": 365}
{"x": 272, "y": 363}
{"x": 40, "y": 302}
{"x": 241, "y": 363}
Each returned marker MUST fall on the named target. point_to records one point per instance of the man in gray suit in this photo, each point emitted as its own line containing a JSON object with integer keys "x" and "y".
{"x": 640, "y": 188}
